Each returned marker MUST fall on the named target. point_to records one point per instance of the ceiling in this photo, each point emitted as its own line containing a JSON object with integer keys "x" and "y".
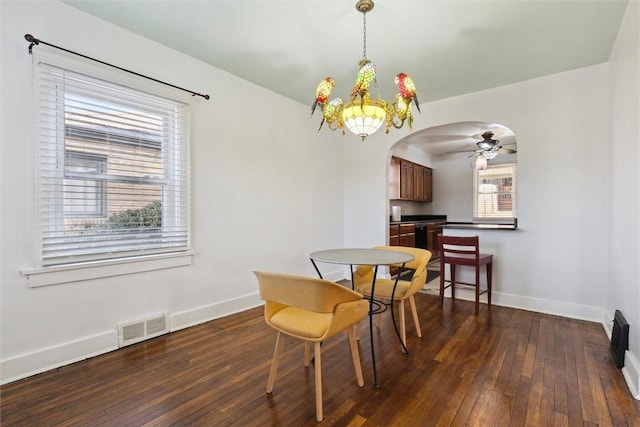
{"x": 448, "y": 47}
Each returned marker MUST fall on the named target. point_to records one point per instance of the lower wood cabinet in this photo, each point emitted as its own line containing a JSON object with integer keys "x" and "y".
{"x": 407, "y": 235}
{"x": 402, "y": 235}
{"x": 394, "y": 235}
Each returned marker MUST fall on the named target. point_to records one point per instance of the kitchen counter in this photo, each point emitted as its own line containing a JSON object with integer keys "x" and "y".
{"x": 483, "y": 226}
{"x": 418, "y": 218}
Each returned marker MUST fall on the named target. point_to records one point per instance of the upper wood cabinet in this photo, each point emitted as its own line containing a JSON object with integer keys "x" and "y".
{"x": 410, "y": 181}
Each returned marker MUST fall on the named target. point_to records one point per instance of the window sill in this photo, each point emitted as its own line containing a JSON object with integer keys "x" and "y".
{"x": 100, "y": 269}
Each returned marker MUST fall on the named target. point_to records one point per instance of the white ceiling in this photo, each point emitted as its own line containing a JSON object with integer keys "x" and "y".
{"x": 448, "y": 47}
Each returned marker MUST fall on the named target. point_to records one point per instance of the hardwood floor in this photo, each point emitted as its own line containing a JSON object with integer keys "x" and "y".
{"x": 504, "y": 367}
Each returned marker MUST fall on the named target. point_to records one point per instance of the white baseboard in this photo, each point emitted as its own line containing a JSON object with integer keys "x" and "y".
{"x": 540, "y": 305}
{"x": 631, "y": 372}
{"x": 53, "y": 357}
{"x": 185, "y": 319}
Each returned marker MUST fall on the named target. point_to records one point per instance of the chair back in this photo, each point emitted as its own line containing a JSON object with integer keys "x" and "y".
{"x": 421, "y": 257}
{"x": 308, "y": 293}
{"x": 461, "y": 250}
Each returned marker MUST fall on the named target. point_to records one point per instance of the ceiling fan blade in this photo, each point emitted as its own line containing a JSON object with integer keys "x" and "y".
{"x": 503, "y": 150}
{"x": 463, "y": 151}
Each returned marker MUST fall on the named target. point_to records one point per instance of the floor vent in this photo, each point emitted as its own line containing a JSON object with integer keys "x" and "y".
{"x": 619, "y": 338}
{"x": 143, "y": 329}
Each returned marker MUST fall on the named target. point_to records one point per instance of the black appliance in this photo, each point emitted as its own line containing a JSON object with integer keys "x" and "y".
{"x": 421, "y": 235}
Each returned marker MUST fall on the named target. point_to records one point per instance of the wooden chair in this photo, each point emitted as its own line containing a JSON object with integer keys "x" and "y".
{"x": 312, "y": 310}
{"x": 405, "y": 290}
{"x": 465, "y": 251}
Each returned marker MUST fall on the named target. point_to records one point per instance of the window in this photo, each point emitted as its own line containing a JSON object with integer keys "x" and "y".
{"x": 113, "y": 175}
{"x": 85, "y": 195}
{"x": 494, "y": 192}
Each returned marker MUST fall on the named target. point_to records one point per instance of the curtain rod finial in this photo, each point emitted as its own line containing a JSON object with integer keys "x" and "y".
{"x": 32, "y": 41}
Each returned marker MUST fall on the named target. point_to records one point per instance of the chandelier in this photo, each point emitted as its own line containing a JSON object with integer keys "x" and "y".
{"x": 362, "y": 114}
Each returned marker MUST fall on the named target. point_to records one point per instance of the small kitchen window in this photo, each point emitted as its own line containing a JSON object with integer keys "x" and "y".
{"x": 494, "y": 192}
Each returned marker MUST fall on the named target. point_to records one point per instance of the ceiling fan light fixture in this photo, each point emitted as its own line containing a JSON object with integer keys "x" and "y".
{"x": 491, "y": 154}
{"x": 481, "y": 163}
{"x": 485, "y": 145}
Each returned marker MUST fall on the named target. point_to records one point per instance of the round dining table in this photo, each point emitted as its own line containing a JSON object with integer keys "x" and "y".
{"x": 371, "y": 257}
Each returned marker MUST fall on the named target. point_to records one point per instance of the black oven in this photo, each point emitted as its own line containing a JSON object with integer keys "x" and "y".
{"x": 421, "y": 235}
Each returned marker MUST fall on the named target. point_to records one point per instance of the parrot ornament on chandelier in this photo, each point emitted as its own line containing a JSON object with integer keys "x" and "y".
{"x": 363, "y": 115}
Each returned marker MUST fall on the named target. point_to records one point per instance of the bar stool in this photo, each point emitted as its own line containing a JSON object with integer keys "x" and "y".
{"x": 458, "y": 250}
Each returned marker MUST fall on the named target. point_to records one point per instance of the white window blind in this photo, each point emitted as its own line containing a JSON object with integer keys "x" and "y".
{"x": 494, "y": 192}
{"x": 113, "y": 171}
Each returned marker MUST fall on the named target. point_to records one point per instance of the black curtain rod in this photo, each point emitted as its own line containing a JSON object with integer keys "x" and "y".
{"x": 34, "y": 41}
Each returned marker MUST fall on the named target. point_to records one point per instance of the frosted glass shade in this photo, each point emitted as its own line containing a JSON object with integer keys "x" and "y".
{"x": 364, "y": 118}
{"x": 481, "y": 163}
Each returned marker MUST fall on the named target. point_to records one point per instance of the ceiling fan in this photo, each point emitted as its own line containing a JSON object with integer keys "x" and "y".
{"x": 489, "y": 147}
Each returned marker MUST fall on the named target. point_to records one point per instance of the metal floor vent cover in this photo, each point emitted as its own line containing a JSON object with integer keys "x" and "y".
{"x": 619, "y": 338}
{"x": 143, "y": 329}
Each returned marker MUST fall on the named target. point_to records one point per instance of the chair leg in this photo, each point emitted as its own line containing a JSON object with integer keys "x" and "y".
{"x": 318, "y": 377}
{"x": 355, "y": 355}
{"x": 307, "y": 353}
{"x": 275, "y": 362}
{"x": 403, "y": 325}
{"x": 414, "y": 312}
{"x": 358, "y": 328}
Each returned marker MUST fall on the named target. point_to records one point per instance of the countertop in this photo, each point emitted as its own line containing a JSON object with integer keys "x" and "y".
{"x": 490, "y": 225}
{"x": 513, "y": 225}
{"x": 418, "y": 218}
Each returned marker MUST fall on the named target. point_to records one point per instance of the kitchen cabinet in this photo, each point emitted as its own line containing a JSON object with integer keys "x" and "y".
{"x": 418, "y": 182}
{"x": 394, "y": 235}
{"x": 407, "y": 235}
{"x": 410, "y": 181}
{"x": 402, "y": 235}
{"x": 433, "y": 229}
{"x": 428, "y": 184}
{"x": 406, "y": 180}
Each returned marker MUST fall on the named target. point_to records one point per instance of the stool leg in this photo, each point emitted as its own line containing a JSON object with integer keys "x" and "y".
{"x": 489, "y": 268}
{"x": 441, "y": 283}
{"x": 477, "y": 289}
{"x": 452, "y": 273}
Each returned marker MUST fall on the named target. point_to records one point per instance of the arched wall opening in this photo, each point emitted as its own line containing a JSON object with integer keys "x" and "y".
{"x": 450, "y": 151}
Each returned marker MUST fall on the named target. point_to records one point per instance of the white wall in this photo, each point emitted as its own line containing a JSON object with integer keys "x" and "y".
{"x": 266, "y": 192}
{"x": 623, "y": 278}
{"x": 559, "y": 122}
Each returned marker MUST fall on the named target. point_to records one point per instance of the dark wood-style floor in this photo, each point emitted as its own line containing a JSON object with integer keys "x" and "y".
{"x": 504, "y": 367}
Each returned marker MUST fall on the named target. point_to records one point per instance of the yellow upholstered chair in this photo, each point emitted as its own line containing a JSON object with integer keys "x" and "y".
{"x": 312, "y": 310}
{"x": 405, "y": 290}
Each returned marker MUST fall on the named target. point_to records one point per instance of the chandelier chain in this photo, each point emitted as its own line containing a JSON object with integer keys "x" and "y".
{"x": 364, "y": 36}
